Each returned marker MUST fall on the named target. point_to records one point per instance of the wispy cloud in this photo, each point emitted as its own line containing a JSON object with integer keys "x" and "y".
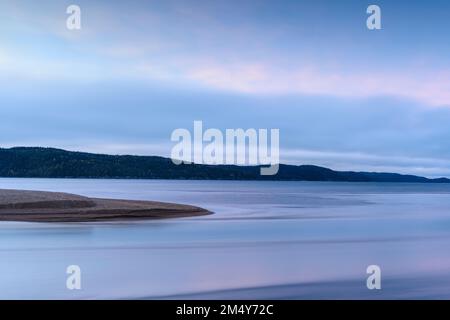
{"x": 431, "y": 88}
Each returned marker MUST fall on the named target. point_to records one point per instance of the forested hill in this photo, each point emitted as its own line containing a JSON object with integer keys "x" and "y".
{"x": 56, "y": 163}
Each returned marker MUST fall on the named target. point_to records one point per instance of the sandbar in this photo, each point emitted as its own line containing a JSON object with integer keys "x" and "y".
{"x": 40, "y": 206}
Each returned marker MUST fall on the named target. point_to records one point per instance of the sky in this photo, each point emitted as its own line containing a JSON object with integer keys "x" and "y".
{"x": 342, "y": 96}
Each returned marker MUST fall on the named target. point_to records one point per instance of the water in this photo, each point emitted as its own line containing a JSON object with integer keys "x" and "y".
{"x": 280, "y": 240}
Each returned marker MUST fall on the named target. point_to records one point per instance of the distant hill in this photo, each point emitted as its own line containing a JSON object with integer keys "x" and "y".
{"x": 56, "y": 163}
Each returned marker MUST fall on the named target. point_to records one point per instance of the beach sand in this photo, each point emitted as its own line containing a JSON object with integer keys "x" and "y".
{"x": 39, "y": 206}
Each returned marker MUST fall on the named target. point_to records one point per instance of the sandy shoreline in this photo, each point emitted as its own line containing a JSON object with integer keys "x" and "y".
{"x": 39, "y": 206}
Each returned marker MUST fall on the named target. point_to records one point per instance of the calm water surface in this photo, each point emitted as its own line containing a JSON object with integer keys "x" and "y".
{"x": 289, "y": 240}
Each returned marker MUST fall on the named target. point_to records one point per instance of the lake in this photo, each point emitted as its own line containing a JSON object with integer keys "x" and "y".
{"x": 266, "y": 240}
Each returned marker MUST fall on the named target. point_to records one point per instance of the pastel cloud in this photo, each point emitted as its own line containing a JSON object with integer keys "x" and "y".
{"x": 431, "y": 88}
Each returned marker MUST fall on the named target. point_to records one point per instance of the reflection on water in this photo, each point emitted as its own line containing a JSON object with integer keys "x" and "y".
{"x": 265, "y": 240}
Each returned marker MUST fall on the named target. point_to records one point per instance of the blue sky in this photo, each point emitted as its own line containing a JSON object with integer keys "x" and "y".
{"x": 342, "y": 96}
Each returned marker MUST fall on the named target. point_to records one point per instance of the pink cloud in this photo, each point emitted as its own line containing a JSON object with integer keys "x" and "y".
{"x": 429, "y": 88}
